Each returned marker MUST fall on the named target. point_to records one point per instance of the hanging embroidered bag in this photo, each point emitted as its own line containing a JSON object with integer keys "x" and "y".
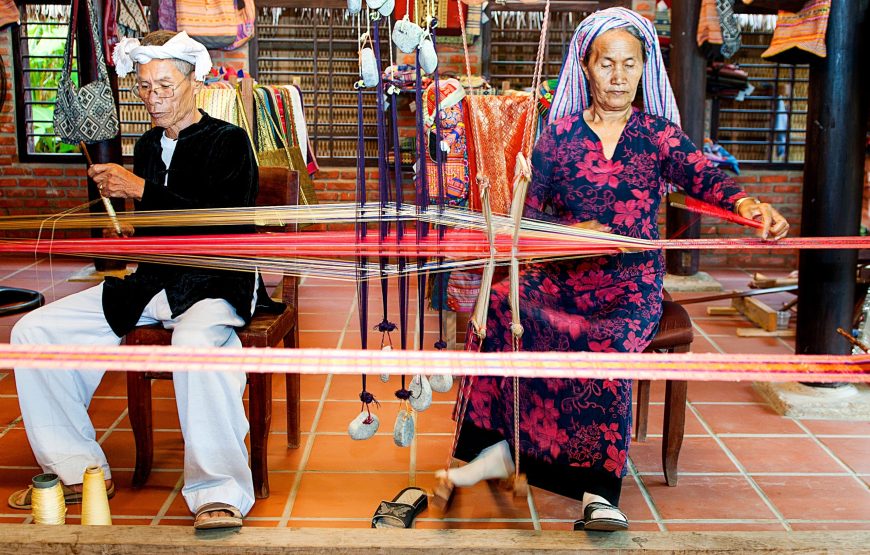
{"x": 88, "y": 113}
{"x": 210, "y": 22}
{"x": 246, "y": 18}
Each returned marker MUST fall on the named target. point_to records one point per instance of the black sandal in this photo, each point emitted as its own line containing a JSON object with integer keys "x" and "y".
{"x": 601, "y": 524}
{"x": 402, "y": 510}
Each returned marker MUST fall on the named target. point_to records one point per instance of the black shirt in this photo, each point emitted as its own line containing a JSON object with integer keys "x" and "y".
{"x": 213, "y": 167}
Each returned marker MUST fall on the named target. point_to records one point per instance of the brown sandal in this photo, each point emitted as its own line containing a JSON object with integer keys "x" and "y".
{"x": 218, "y": 522}
{"x": 22, "y": 499}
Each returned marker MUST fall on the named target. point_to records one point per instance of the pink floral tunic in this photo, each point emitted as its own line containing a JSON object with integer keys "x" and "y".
{"x": 605, "y": 303}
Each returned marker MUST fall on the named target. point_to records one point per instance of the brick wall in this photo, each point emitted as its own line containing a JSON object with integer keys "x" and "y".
{"x": 783, "y": 191}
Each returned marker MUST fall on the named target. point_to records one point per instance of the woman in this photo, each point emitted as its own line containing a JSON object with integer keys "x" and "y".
{"x": 600, "y": 164}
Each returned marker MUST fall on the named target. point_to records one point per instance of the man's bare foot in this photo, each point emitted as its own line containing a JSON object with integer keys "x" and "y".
{"x": 205, "y": 517}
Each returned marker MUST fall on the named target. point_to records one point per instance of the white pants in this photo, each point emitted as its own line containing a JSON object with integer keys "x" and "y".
{"x": 54, "y": 404}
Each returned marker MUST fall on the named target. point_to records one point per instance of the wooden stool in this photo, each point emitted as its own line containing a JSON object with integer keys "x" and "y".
{"x": 673, "y": 336}
{"x": 277, "y": 187}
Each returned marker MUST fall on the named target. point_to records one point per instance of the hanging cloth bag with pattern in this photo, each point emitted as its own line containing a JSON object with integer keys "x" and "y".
{"x": 214, "y": 23}
{"x": 88, "y": 113}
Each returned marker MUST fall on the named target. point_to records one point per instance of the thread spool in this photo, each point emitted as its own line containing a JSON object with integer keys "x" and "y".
{"x": 47, "y": 503}
{"x": 95, "y": 500}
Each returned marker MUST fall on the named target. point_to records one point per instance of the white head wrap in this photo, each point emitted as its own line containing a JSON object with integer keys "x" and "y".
{"x": 572, "y": 93}
{"x": 181, "y": 47}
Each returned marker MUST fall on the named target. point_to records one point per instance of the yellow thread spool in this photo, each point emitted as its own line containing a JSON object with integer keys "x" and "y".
{"x": 47, "y": 503}
{"x": 95, "y": 501}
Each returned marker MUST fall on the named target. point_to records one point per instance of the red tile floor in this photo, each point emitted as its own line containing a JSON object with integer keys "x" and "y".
{"x": 742, "y": 467}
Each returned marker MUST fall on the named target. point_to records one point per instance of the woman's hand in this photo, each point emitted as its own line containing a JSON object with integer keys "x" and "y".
{"x": 774, "y": 223}
{"x": 593, "y": 225}
{"x": 115, "y": 181}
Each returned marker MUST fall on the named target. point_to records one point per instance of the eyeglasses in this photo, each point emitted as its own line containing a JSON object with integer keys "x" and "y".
{"x": 144, "y": 90}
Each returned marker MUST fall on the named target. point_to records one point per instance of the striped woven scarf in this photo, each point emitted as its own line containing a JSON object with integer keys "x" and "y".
{"x": 572, "y": 94}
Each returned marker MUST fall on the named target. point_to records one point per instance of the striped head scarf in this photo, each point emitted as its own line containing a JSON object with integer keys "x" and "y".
{"x": 572, "y": 93}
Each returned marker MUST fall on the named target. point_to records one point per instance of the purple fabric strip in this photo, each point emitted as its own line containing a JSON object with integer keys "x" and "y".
{"x": 383, "y": 173}
{"x": 439, "y": 162}
{"x": 362, "y": 290}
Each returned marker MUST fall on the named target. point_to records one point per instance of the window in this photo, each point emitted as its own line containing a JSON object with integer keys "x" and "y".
{"x": 318, "y": 50}
{"x": 38, "y": 49}
{"x": 38, "y": 46}
{"x": 769, "y": 126}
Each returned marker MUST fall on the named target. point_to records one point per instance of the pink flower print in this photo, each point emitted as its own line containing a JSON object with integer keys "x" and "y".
{"x": 601, "y": 346}
{"x": 571, "y": 324}
{"x": 615, "y": 461}
{"x": 634, "y": 325}
{"x": 612, "y": 385}
{"x": 667, "y": 140}
{"x": 626, "y": 213}
{"x": 644, "y": 202}
{"x": 646, "y": 227}
{"x": 600, "y": 170}
{"x": 584, "y": 302}
{"x": 611, "y": 433}
{"x": 563, "y": 125}
{"x": 549, "y": 288}
{"x": 635, "y": 298}
{"x": 633, "y": 344}
{"x": 608, "y": 294}
{"x": 698, "y": 160}
{"x": 587, "y": 278}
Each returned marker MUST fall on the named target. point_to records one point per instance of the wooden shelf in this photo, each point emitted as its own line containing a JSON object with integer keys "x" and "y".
{"x": 769, "y": 6}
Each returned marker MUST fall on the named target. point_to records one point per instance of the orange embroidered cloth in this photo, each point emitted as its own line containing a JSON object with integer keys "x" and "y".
{"x": 709, "y": 27}
{"x": 799, "y": 33}
{"x": 498, "y": 125}
{"x": 8, "y": 12}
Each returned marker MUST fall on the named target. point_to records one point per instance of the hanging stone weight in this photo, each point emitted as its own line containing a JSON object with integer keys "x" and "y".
{"x": 421, "y": 393}
{"x": 403, "y": 431}
{"x": 441, "y": 383}
{"x": 364, "y": 426}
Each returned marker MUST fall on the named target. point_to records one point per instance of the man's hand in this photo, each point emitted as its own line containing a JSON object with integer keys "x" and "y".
{"x": 115, "y": 181}
{"x": 774, "y": 223}
{"x": 126, "y": 231}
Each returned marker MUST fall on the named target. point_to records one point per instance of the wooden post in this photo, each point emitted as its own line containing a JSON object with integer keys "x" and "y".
{"x": 103, "y": 152}
{"x": 688, "y": 74}
{"x": 832, "y": 190}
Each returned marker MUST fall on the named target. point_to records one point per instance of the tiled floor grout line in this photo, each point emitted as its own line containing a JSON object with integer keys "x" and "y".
{"x": 105, "y": 435}
{"x": 22, "y": 269}
{"x": 309, "y": 444}
{"x": 412, "y": 458}
{"x": 341, "y": 336}
{"x": 533, "y": 511}
{"x": 167, "y": 503}
{"x": 11, "y": 426}
{"x": 646, "y": 496}
{"x": 708, "y": 338}
{"x": 306, "y": 454}
{"x": 851, "y": 472}
{"x": 751, "y": 481}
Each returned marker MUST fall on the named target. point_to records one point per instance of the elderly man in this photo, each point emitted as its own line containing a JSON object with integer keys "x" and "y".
{"x": 188, "y": 160}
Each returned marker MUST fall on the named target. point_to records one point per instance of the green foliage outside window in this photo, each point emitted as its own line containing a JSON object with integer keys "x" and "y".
{"x": 45, "y": 46}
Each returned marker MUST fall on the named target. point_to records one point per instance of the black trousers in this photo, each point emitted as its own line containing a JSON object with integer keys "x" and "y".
{"x": 570, "y": 481}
